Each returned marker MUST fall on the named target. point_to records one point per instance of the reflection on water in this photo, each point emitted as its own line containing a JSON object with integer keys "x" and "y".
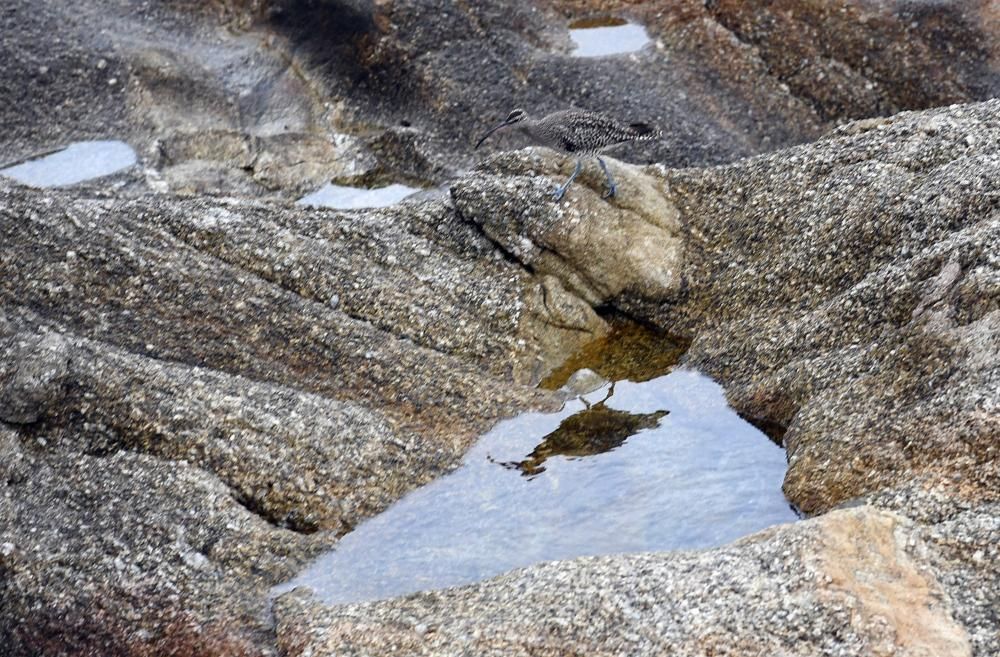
{"x": 594, "y": 430}
{"x": 606, "y": 36}
{"x": 689, "y": 474}
{"x": 77, "y": 162}
{"x": 353, "y": 198}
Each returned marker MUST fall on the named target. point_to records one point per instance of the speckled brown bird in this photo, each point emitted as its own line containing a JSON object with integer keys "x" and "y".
{"x": 579, "y": 133}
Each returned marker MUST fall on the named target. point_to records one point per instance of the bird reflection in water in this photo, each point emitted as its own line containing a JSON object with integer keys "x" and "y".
{"x": 594, "y": 430}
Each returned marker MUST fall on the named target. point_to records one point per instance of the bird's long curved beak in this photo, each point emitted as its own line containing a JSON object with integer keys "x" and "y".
{"x": 491, "y": 131}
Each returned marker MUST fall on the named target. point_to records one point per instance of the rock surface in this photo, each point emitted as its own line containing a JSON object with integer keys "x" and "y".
{"x": 199, "y": 394}
{"x": 563, "y": 239}
{"x": 825, "y": 284}
{"x": 846, "y": 583}
{"x": 849, "y": 289}
{"x": 276, "y": 97}
{"x": 130, "y": 554}
{"x": 238, "y": 376}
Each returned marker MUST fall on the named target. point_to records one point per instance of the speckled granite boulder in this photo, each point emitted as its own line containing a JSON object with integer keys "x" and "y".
{"x": 846, "y": 289}
{"x": 850, "y": 290}
{"x": 196, "y": 396}
{"x": 129, "y": 554}
{"x": 852, "y": 582}
{"x": 600, "y": 250}
{"x": 190, "y": 390}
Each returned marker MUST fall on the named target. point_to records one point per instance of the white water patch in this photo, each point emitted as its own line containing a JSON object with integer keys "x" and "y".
{"x": 83, "y": 160}
{"x": 353, "y": 198}
{"x": 604, "y": 40}
{"x": 696, "y": 476}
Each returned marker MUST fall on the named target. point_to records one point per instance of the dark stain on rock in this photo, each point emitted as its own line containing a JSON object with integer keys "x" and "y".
{"x": 771, "y": 428}
{"x": 630, "y": 351}
{"x": 334, "y": 35}
{"x": 597, "y": 21}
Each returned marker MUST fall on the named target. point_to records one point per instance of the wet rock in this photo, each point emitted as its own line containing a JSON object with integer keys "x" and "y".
{"x": 190, "y": 389}
{"x": 413, "y": 83}
{"x": 843, "y": 289}
{"x": 723, "y": 78}
{"x": 630, "y": 351}
{"x": 848, "y": 290}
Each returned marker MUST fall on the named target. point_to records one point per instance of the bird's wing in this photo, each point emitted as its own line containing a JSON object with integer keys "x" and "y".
{"x": 591, "y": 131}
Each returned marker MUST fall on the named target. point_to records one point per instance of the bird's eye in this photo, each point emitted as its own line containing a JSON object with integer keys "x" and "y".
{"x": 515, "y": 115}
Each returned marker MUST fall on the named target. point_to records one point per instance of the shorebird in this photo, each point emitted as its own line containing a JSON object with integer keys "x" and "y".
{"x": 579, "y": 133}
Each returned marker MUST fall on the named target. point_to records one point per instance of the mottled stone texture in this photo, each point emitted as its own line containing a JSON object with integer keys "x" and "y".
{"x": 192, "y": 389}
{"x": 850, "y": 289}
{"x": 598, "y": 250}
{"x": 199, "y": 394}
{"x": 847, "y": 289}
{"x": 845, "y": 584}
{"x": 274, "y": 97}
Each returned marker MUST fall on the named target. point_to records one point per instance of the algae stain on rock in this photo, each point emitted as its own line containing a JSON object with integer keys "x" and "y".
{"x": 629, "y": 351}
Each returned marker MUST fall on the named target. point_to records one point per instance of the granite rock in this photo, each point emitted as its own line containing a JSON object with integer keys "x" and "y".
{"x": 185, "y": 359}
{"x": 852, "y": 582}
{"x": 275, "y": 97}
{"x": 197, "y": 395}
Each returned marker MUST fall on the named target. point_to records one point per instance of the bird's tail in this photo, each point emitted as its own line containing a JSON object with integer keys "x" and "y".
{"x": 645, "y": 132}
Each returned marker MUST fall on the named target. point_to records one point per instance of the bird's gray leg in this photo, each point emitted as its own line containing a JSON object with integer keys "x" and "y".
{"x": 562, "y": 190}
{"x": 612, "y": 187}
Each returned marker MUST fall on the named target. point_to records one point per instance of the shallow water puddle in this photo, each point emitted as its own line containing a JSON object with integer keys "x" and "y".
{"x": 353, "y": 198}
{"x": 660, "y": 465}
{"x": 83, "y": 160}
{"x": 606, "y": 36}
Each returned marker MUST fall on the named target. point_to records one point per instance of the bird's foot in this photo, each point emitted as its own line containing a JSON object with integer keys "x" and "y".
{"x": 559, "y": 193}
{"x": 612, "y": 191}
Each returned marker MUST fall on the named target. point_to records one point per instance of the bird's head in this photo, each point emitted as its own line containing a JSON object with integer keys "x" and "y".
{"x": 516, "y": 116}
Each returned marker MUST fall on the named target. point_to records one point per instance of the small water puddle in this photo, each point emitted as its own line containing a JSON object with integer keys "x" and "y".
{"x": 657, "y": 464}
{"x": 600, "y": 37}
{"x": 353, "y": 198}
{"x": 83, "y": 160}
